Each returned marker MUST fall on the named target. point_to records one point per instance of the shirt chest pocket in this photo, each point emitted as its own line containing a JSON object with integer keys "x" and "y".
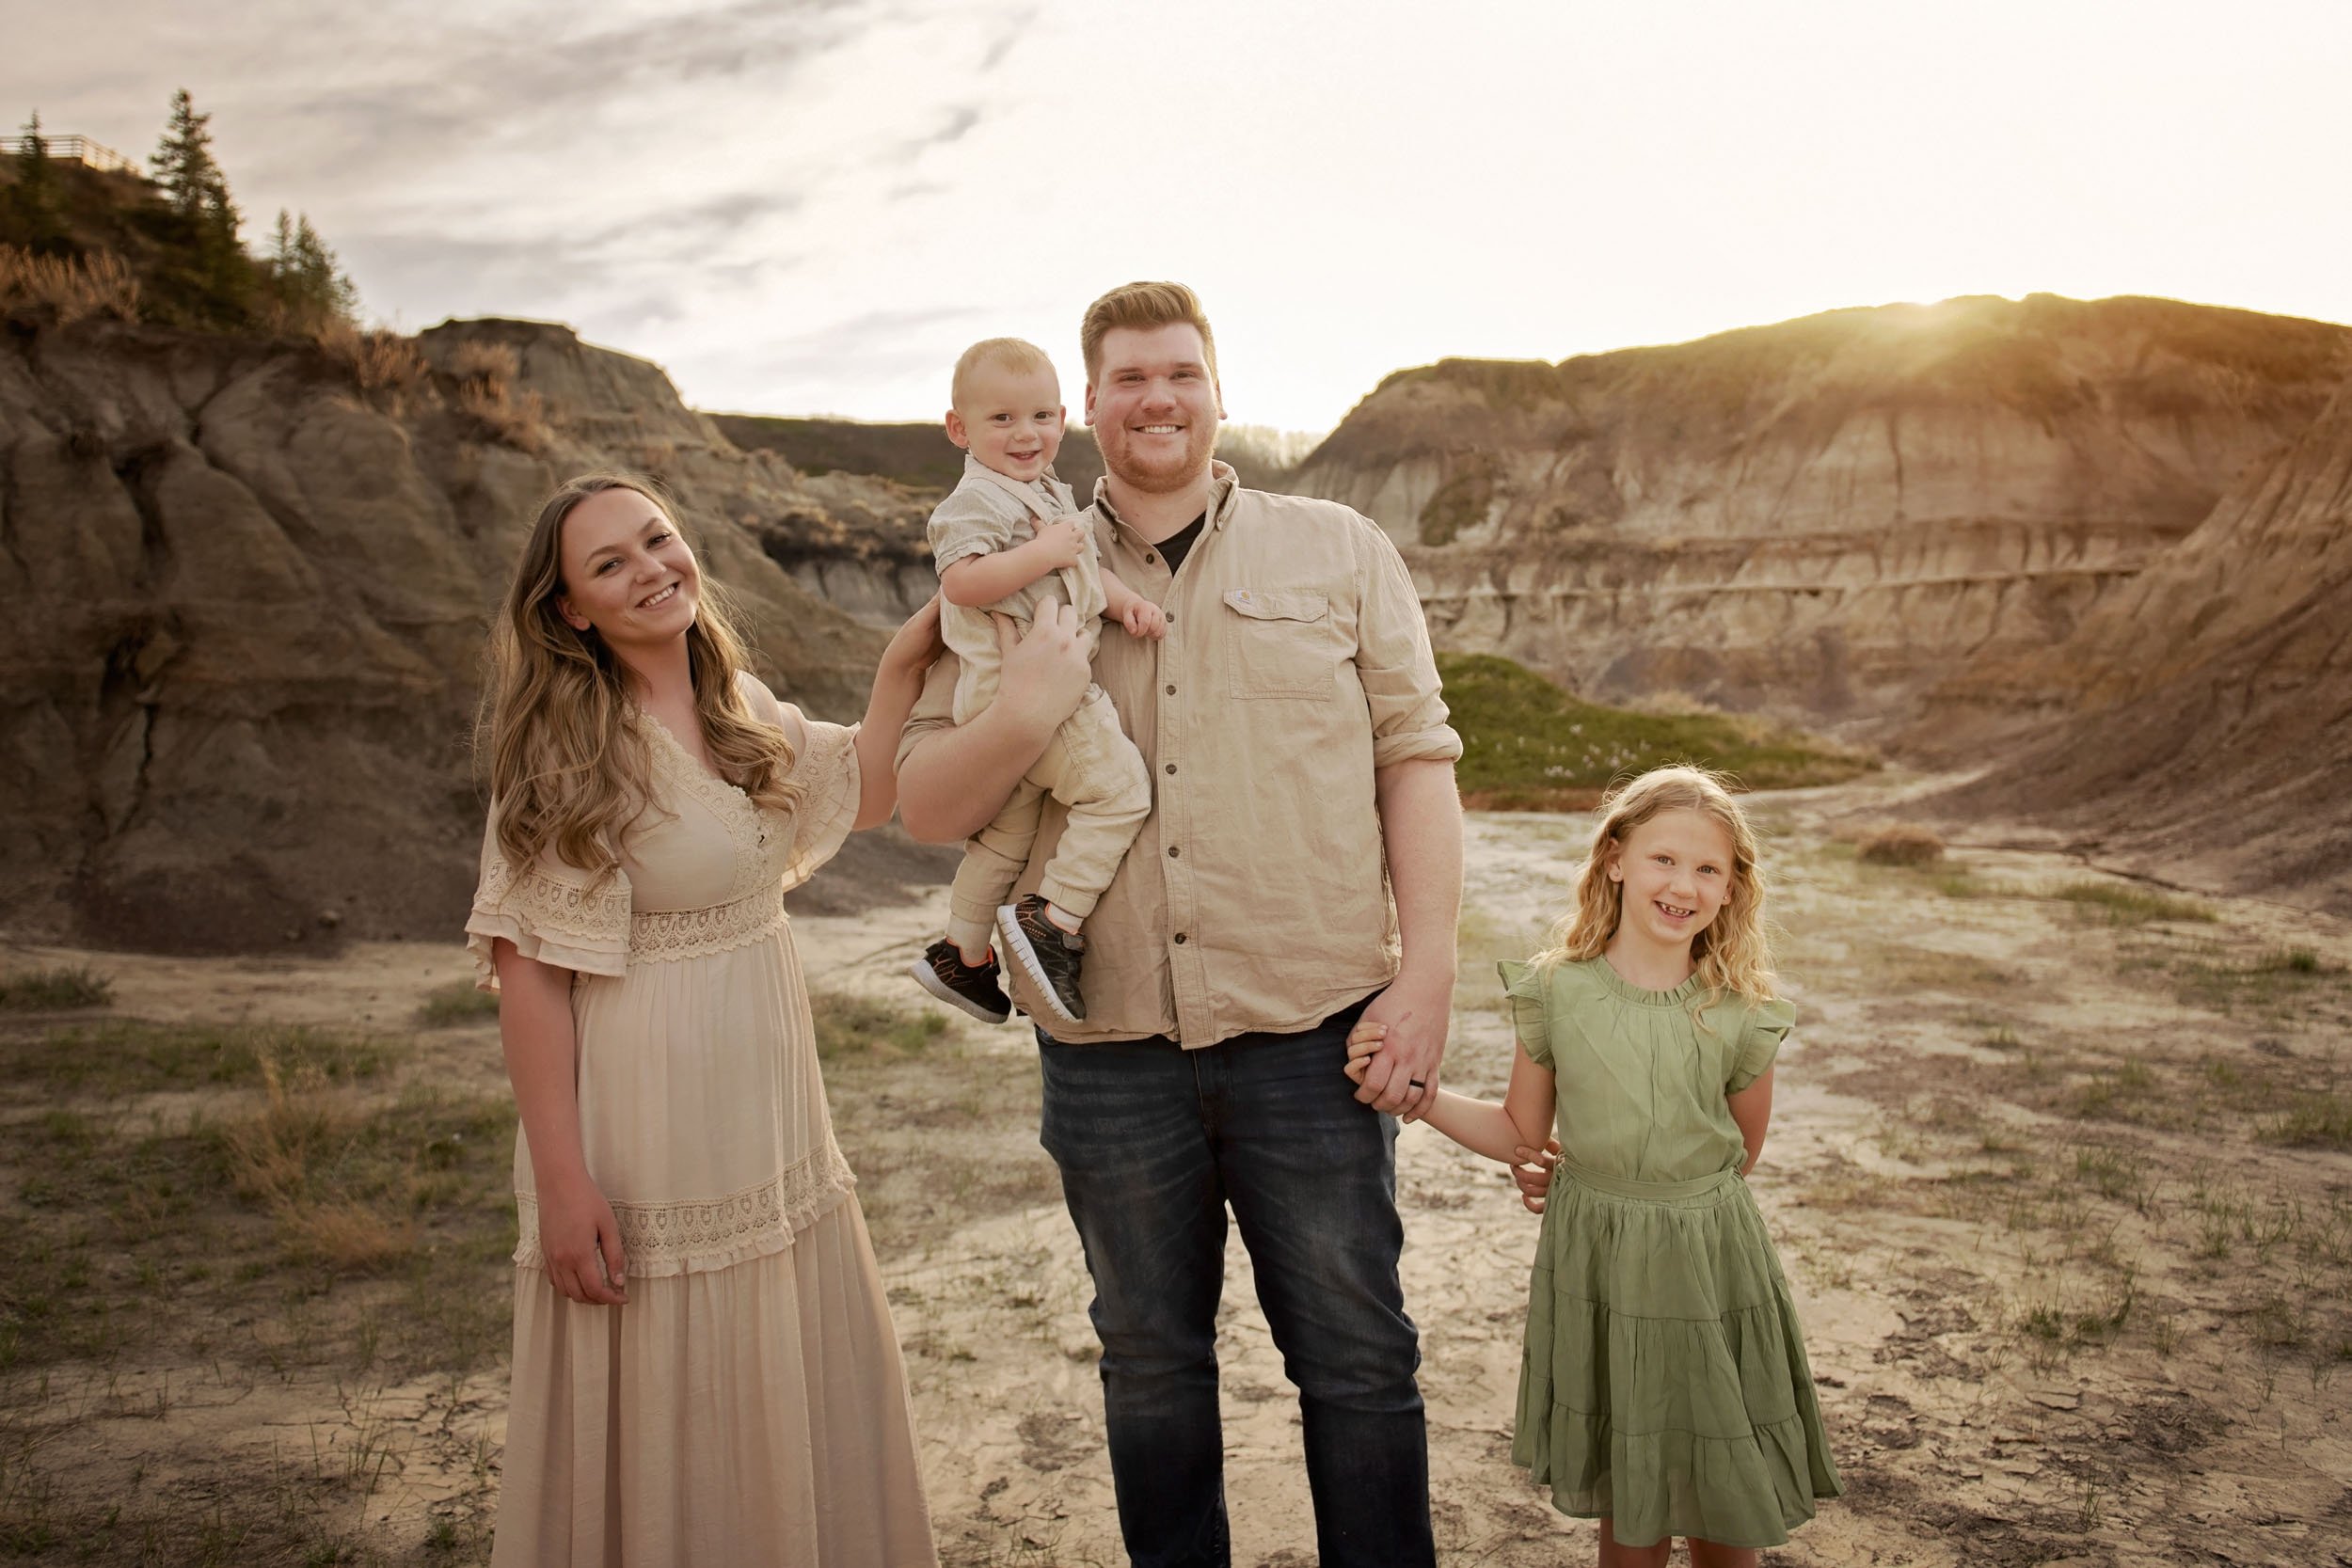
{"x": 1280, "y": 644}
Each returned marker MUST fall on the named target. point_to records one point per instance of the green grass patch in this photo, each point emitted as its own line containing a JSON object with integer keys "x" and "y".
{"x": 2321, "y": 1120}
{"x": 458, "y": 1002}
{"x": 860, "y": 1026}
{"x": 54, "y": 990}
{"x": 1528, "y": 745}
{"x": 127, "y": 1058}
{"x": 2123, "y": 904}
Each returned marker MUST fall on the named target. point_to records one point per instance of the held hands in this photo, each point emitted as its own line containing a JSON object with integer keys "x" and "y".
{"x": 1060, "y": 544}
{"x": 1396, "y": 1048}
{"x": 581, "y": 1240}
{"x": 1142, "y": 618}
{"x": 1532, "y": 1172}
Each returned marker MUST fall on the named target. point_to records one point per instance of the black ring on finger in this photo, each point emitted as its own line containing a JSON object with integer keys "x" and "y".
{"x": 1416, "y": 1083}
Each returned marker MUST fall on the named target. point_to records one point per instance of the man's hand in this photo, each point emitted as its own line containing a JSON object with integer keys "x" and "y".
{"x": 1060, "y": 544}
{"x": 1400, "y": 1073}
{"x": 1531, "y": 1171}
{"x": 1142, "y": 618}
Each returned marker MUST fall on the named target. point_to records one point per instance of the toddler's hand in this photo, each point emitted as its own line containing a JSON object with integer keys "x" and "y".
{"x": 1062, "y": 542}
{"x": 1362, "y": 1041}
{"x": 1144, "y": 619}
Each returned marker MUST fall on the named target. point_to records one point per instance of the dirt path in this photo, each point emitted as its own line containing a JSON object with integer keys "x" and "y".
{"x": 2062, "y": 1183}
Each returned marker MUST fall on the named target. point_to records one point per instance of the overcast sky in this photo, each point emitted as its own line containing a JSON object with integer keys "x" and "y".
{"x": 810, "y": 206}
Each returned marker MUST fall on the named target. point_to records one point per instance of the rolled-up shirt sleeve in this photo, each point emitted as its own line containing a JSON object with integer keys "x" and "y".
{"x": 1393, "y": 661}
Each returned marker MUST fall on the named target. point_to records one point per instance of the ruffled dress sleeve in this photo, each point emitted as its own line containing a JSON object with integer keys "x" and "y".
{"x": 1768, "y": 1024}
{"x": 825, "y": 767}
{"x": 1527, "y": 992}
{"x": 551, "y": 911}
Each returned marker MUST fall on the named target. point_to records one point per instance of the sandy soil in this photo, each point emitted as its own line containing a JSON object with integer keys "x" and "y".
{"x": 2073, "y": 1295}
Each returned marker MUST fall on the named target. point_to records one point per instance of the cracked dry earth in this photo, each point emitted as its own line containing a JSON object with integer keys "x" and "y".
{"x": 2059, "y": 1170}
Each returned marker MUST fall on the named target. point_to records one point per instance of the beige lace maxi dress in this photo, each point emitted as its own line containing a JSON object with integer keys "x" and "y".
{"x": 749, "y": 1404}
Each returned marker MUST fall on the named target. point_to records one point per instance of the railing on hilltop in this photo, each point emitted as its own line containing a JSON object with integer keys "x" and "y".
{"x": 79, "y": 150}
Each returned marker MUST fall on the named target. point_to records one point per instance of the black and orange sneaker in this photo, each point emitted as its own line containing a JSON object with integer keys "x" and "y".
{"x": 1049, "y": 956}
{"x": 942, "y": 971}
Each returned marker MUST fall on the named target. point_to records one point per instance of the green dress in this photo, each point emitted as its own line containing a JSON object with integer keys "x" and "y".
{"x": 1663, "y": 1385}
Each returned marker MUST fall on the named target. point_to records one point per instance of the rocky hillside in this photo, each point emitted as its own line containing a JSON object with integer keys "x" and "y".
{"x": 1829, "y": 517}
{"x": 250, "y": 583}
{"x": 2199, "y": 721}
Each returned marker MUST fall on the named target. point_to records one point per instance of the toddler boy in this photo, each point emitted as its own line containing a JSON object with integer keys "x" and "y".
{"x": 1005, "y": 542}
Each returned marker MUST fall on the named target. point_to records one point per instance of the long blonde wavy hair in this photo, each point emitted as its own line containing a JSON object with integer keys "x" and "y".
{"x": 1734, "y": 953}
{"x": 568, "y": 762}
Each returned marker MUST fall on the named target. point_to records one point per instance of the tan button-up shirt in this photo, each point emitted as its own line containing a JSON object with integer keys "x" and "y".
{"x": 1296, "y": 663}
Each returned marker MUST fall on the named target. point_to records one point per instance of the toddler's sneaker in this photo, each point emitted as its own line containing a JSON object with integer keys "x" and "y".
{"x": 942, "y": 971}
{"x": 1048, "y": 954}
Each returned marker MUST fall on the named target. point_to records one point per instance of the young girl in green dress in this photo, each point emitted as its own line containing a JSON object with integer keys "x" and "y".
{"x": 1663, "y": 1388}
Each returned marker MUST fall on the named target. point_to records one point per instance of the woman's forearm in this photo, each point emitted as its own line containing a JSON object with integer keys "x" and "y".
{"x": 958, "y": 778}
{"x": 886, "y": 710}
{"x": 535, "y": 1029}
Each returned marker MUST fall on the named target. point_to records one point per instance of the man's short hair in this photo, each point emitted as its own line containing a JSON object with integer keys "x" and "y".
{"x": 1013, "y": 353}
{"x": 1143, "y": 305}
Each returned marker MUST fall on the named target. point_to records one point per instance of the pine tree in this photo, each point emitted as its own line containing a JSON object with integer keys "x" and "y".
{"x": 33, "y": 212}
{"x": 183, "y": 162}
{"x": 304, "y": 274}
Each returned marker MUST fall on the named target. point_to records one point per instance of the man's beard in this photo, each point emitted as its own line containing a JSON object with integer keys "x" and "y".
{"x": 1156, "y": 478}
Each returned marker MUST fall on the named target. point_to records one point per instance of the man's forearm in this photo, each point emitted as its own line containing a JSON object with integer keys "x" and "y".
{"x": 1421, "y": 824}
{"x": 957, "y": 779}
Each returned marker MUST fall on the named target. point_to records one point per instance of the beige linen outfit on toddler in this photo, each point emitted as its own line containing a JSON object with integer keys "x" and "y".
{"x": 1089, "y": 766}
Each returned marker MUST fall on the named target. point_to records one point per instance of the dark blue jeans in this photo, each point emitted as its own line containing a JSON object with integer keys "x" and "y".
{"x": 1153, "y": 1142}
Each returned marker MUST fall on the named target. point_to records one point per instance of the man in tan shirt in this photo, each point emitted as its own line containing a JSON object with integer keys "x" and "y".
{"x": 1301, "y": 868}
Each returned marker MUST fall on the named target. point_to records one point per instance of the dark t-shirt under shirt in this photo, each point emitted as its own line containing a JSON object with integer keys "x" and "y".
{"x": 1179, "y": 544}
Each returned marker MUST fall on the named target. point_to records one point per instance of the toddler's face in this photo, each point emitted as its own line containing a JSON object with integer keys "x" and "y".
{"x": 1674, "y": 871}
{"x": 1010, "y": 419}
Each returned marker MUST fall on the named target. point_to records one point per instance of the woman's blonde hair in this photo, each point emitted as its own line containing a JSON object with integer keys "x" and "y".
{"x": 568, "y": 762}
{"x": 1733, "y": 953}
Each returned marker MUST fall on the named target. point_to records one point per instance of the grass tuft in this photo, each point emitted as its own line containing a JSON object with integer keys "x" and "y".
{"x": 59, "y": 989}
{"x": 458, "y": 1002}
{"x": 862, "y": 1027}
{"x": 2123, "y": 904}
{"x": 1903, "y": 844}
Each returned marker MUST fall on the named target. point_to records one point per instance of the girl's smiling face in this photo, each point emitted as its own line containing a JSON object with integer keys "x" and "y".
{"x": 1674, "y": 874}
{"x": 627, "y": 572}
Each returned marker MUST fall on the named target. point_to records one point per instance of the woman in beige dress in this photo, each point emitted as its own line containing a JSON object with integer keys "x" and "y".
{"x": 704, "y": 1371}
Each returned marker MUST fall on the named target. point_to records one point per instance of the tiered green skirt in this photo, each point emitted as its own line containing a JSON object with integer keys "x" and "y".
{"x": 1665, "y": 1384}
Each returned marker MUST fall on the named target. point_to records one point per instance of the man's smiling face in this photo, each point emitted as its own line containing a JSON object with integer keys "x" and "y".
{"x": 1154, "y": 405}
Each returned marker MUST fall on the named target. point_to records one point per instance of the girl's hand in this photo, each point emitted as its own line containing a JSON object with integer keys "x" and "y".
{"x": 580, "y": 1240}
{"x": 1142, "y": 618}
{"x": 1531, "y": 1169}
{"x": 1362, "y": 1041}
{"x": 916, "y": 646}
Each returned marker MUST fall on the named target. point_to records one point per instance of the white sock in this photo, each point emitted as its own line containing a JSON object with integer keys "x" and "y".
{"x": 1069, "y": 922}
{"x": 970, "y": 961}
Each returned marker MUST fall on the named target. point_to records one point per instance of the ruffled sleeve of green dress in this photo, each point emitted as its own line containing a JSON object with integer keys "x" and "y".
{"x": 1527, "y": 989}
{"x": 1768, "y": 1024}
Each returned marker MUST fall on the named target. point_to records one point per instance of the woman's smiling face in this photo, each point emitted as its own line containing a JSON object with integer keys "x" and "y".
{"x": 627, "y": 571}
{"x": 1674, "y": 874}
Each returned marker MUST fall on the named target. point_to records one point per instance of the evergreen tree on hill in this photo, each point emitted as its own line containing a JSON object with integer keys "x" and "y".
{"x": 311, "y": 288}
{"x": 216, "y": 282}
{"x": 32, "y": 210}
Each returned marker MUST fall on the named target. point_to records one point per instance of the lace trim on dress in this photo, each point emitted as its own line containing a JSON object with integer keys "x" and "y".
{"x": 563, "y": 922}
{"x": 746, "y": 824}
{"x": 697, "y": 1236}
{"x": 661, "y": 936}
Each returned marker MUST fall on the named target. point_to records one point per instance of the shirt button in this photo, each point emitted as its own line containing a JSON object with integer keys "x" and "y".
{"x": 1173, "y": 851}
{"x": 1171, "y": 691}
{"x": 1171, "y": 767}
{"x": 1171, "y": 620}
{"x": 1180, "y": 939}
{"x": 1150, "y": 560}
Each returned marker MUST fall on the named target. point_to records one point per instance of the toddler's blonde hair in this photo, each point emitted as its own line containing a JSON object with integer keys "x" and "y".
{"x": 1733, "y": 953}
{"x": 1012, "y": 353}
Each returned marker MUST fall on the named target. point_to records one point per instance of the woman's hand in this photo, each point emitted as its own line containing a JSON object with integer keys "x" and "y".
{"x": 917, "y": 645}
{"x": 1045, "y": 674}
{"x": 580, "y": 1240}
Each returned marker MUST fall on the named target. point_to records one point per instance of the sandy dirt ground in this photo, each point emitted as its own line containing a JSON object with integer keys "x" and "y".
{"x": 2053, "y": 1172}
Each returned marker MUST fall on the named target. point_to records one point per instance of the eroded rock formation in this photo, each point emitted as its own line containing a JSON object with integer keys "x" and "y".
{"x": 247, "y": 597}
{"x": 1829, "y": 517}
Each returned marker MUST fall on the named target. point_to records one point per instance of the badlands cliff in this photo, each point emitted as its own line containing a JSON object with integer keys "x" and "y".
{"x": 1829, "y": 517}
{"x": 251, "y": 582}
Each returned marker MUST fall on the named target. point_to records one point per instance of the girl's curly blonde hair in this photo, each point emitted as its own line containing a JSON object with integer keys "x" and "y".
{"x": 568, "y": 764}
{"x": 1733, "y": 953}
